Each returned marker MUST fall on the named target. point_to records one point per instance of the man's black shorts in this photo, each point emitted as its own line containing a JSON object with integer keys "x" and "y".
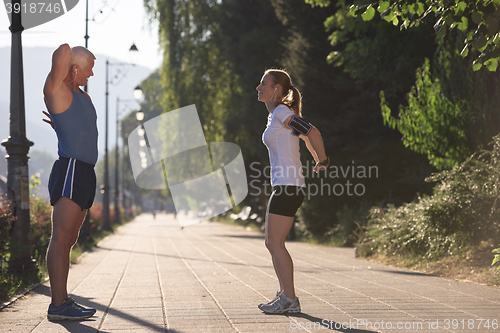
{"x": 73, "y": 179}
{"x": 285, "y": 200}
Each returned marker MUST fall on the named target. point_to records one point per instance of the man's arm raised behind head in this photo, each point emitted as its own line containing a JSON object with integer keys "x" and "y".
{"x": 61, "y": 59}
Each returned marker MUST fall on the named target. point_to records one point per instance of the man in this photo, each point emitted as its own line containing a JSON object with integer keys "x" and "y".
{"x": 72, "y": 180}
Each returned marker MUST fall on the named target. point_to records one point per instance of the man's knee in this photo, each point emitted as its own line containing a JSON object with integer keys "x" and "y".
{"x": 64, "y": 240}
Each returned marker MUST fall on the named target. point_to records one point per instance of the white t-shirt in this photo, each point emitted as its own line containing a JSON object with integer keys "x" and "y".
{"x": 283, "y": 146}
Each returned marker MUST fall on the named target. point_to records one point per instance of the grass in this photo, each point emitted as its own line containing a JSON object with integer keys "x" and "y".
{"x": 473, "y": 265}
{"x": 12, "y": 283}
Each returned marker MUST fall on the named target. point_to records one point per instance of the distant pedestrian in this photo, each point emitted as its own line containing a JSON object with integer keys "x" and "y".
{"x": 281, "y": 137}
{"x": 72, "y": 182}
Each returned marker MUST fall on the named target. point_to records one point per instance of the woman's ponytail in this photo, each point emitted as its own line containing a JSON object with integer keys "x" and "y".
{"x": 293, "y": 99}
{"x": 296, "y": 101}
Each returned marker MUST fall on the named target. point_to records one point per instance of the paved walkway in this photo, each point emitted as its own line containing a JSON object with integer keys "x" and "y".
{"x": 151, "y": 276}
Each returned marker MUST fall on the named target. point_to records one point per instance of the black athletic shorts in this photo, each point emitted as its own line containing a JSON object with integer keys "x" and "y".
{"x": 286, "y": 200}
{"x": 73, "y": 179}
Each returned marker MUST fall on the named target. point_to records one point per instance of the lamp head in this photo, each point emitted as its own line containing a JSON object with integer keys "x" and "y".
{"x": 139, "y": 115}
{"x": 134, "y": 53}
{"x": 137, "y": 92}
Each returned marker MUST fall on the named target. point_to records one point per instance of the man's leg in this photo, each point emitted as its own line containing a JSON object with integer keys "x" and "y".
{"x": 67, "y": 218}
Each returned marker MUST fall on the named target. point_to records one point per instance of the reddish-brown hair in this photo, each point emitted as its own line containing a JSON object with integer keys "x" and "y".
{"x": 292, "y": 97}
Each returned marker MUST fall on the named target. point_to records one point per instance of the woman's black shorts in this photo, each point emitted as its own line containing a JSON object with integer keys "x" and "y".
{"x": 285, "y": 200}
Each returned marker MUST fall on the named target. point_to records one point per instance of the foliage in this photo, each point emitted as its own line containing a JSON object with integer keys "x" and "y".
{"x": 452, "y": 110}
{"x": 497, "y": 257}
{"x": 431, "y": 124}
{"x": 375, "y": 51}
{"x": 40, "y": 222}
{"x": 477, "y": 19}
{"x": 6, "y": 220}
{"x": 41, "y": 228}
{"x": 40, "y": 236}
{"x": 216, "y": 51}
{"x": 214, "y": 55}
{"x": 462, "y": 212}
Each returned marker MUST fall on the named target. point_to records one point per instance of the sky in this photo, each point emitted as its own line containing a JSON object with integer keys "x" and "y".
{"x": 112, "y": 32}
{"x": 114, "y": 25}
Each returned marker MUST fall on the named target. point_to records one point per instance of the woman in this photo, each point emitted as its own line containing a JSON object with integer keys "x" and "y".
{"x": 283, "y": 101}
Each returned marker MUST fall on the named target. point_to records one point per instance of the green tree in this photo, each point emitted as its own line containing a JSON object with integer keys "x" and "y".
{"x": 342, "y": 101}
{"x": 248, "y": 37}
{"x": 451, "y": 111}
{"x": 214, "y": 55}
{"x": 477, "y": 19}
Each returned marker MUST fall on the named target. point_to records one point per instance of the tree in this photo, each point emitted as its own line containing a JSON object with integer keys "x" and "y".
{"x": 343, "y": 102}
{"x": 451, "y": 111}
{"x": 248, "y": 37}
{"x": 477, "y": 19}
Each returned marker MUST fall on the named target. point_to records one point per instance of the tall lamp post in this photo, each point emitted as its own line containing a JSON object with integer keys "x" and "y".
{"x": 106, "y": 225}
{"x": 17, "y": 147}
{"x": 137, "y": 97}
{"x": 142, "y": 142}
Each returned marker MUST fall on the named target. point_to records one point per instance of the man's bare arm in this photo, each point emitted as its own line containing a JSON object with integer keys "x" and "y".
{"x": 61, "y": 59}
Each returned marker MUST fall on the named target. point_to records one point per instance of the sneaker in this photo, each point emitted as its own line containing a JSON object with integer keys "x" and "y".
{"x": 79, "y": 306}
{"x": 278, "y": 293}
{"x": 69, "y": 310}
{"x": 282, "y": 305}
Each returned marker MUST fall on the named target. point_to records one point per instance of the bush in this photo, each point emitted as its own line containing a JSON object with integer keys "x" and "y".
{"x": 96, "y": 214}
{"x": 461, "y": 213}
{"x": 41, "y": 228}
{"x": 6, "y": 220}
{"x": 497, "y": 257}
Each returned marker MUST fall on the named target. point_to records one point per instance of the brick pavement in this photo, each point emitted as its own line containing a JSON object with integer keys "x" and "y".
{"x": 153, "y": 276}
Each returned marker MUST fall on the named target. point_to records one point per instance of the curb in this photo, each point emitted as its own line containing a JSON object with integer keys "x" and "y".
{"x": 22, "y": 293}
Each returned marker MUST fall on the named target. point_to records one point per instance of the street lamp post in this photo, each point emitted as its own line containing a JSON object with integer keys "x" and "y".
{"x": 85, "y": 234}
{"x": 17, "y": 147}
{"x": 106, "y": 225}
{"x": 137, "y": 96}
{"x": 117, "y": 184}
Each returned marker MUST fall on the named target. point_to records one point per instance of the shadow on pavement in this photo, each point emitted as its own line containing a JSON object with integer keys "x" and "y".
{"x": 243, "y": 236}
{"x": 78, "y": 326}
{"x": 42, "y": 290}
{"x": 177, "y": 257}
{"x": 405, "y": 272}
{"x": 320, "y": 323}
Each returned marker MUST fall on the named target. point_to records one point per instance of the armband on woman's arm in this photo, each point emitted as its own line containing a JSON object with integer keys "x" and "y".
{"x": 299, "y": 126}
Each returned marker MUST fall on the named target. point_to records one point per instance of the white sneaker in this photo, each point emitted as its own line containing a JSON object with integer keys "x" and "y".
{"x": 282, "y": 305}
{"x": 278, "y": 293}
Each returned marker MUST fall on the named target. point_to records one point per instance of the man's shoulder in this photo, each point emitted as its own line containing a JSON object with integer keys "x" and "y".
{"x": 88, "y": 96}
{"x": 58, "y": 99}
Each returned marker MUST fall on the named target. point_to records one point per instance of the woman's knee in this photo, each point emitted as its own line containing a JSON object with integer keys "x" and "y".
{"x": 268, "y": 245}
{"x": 274, "y": 245}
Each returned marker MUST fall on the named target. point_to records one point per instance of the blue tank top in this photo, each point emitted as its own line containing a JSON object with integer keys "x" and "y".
{"x": 76, "y": 130}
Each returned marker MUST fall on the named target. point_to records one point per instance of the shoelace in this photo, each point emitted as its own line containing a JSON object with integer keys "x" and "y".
{"x": 276, "y": 298}
{"x": 76, "y": 305}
